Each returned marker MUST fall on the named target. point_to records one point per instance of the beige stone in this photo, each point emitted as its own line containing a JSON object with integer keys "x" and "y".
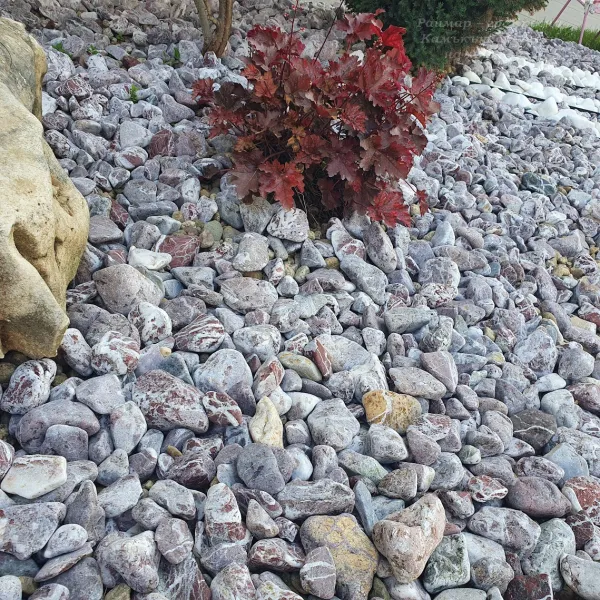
{"x": 354, "y": 555}
{"x": 266, "y": 426}
{"x": 397, "y": 411}
{"x": 43, "y": 218}
{"x": 409, "y": 537}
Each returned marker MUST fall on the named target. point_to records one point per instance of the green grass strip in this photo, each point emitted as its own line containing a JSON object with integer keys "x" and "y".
{"x": 569, "y": 34}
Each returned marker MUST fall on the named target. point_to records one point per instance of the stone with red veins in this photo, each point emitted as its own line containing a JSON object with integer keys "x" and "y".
{"x": 180, "y": 582}
{"x": 34, "y": 475}
{"x": 182, "y": 248}
{"x": 167, "y": 402}
{"x": 178, "y": 500}
{"x": 587, "y": 491}
{"x": 162, "y": 144}
{"x": 115, "y": 353}
{"x": 317, "y": 352}
{"x": 194, "y": 470}
{"x": 135, "y": 560}
{"x": 582, "y": 527}
{"x": 152, "y": 322}
{"x": 268, "y": 377}
{"x": 244, "y": 495}
{"x": 485, "y": 488}
{"x": 526, "y": 587}
{"x": 277, "y": 555}
{"x": 301, "y": 499}
{"x": 174, "y": 540}
{"x": 408, "y": 538}
{"x": 204, "y": 334}
{"x": 222, "y": 517}
{"x": 77, "y": 352}
{"x": 318, "y": 575}
{"x": 116, "y": 256}
{"x": 129, "y": 158}
{"x": 75, "y": 86}
{"x": 222, "y": 409}
{"x": 18, "y": 537}
{"x": 344, "y": 244}
{"x": 127, "y": 426}
{"x": 233, "y": 583}
{"x": 29, "y": 386}
{"x": 289, "y": 225}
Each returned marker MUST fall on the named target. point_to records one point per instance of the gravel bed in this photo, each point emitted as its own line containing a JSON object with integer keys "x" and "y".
{"x": 250, "y": 406}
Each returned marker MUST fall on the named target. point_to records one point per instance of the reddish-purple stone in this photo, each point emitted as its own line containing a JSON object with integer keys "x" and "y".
{"x": 587, "y": 490}
{"x": 204, "y": 334}
{"x": 211, "y": 446}
{"x": 222, "y": 409}
{"x": 167, "y": 402}
{"x": 117, "y": 256}
{"x": 222, "y": 517}
{"x": 525, "y": 587}
{"x": 276, "y": 554}
{"x": 118, "y": 214}
{"x": 484, "y": 488}
{"x": 162, "y": 144}
{"x": 129, "y": 61}
{"x": 320, "y": 357}
{"x": 268, "y": 377}
{"x": 582, "y": 527}
{"x": 243, "y": 496}
{"x": 182, "y": 248}
{"x": 194, "y": 470}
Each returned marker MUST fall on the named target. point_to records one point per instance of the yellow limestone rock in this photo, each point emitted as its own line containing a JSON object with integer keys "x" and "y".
{"x": 353, "y": 553}
{"x": 266, "y": 426}
{"x": 389, "y": 408}
{"x": 43, "y": 218}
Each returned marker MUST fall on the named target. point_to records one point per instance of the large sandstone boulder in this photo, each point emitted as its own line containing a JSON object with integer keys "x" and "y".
{"x": 43, "y": 218}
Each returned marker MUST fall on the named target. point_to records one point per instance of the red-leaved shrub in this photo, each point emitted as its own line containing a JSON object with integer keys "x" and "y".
{"x": 340, "y": 134}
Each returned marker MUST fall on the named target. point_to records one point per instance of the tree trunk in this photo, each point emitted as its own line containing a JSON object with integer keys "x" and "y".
{"x": 215, "y": 42}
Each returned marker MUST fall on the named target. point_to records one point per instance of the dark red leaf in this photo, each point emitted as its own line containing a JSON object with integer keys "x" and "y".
{"x": 281, "y": 180}
{"x": 392, "y": 37}
{"x": 343, "y": 160}
{"x": 388, "y": 207}
{"x": 245, "y": 174}
{"x": 264, "y": 86}
{"x": 354, "y": 117}
{"x": 423, "y": 204}
{"x": 312, "y": 150}
{"x": 202, "y": 91}
{"x": 386, "y": 155}
{"x": 362, "y": 26}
